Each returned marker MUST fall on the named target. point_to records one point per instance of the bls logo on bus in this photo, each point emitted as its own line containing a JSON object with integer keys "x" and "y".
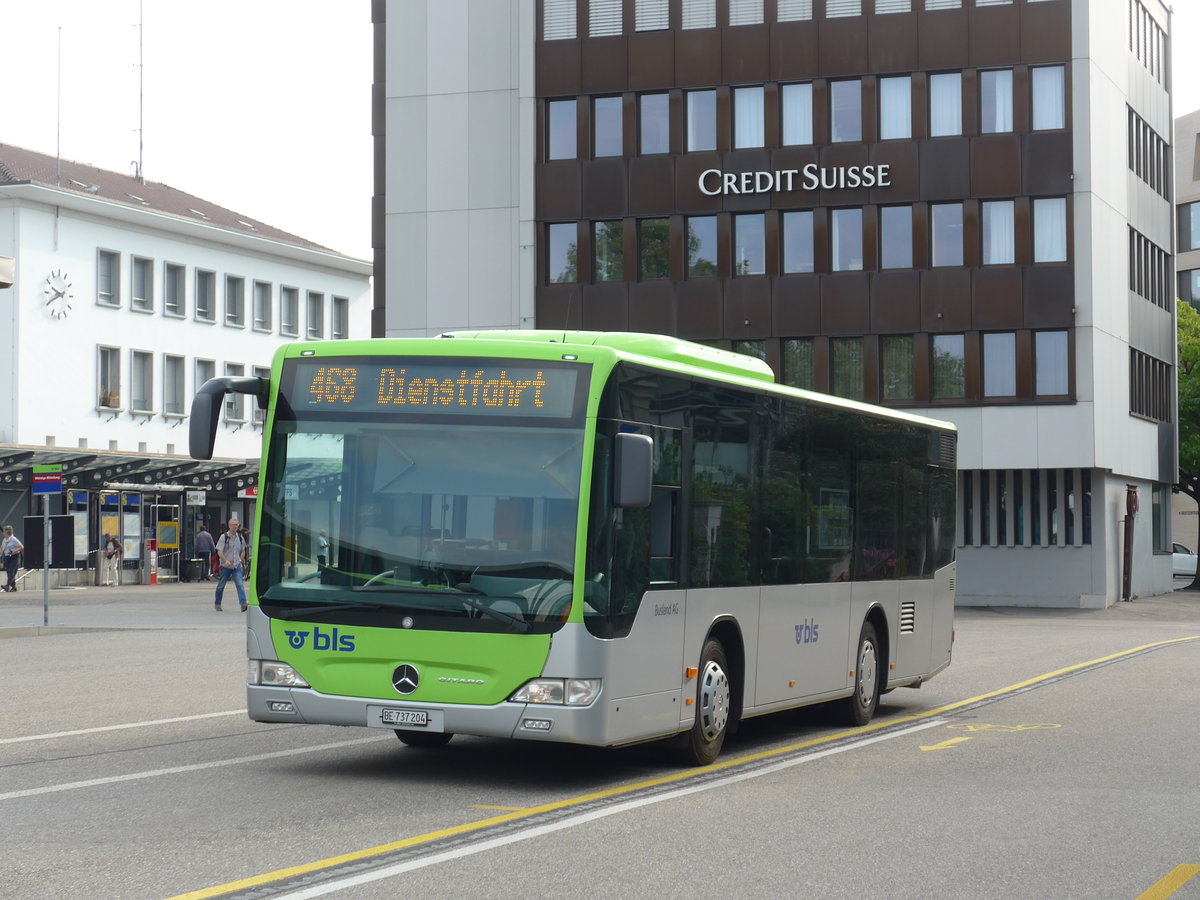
{"x": 807, "y": 633}
{"x": 335, "y": 641}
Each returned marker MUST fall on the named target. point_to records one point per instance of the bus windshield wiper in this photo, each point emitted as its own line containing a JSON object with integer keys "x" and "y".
{"x": 297, "y": 612}
{"x": 520, "y": 624}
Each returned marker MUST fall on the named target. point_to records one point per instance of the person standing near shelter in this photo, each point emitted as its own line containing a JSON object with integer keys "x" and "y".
{"x": 112, "y": 560}
{"x": 322, "y": 549}
{"x": 205, "y": 547}
{"x": 12, "y": 555}
{"x": 231, "y": 553}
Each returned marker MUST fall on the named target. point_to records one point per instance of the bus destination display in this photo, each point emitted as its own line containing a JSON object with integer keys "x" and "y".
{"x": 460, "y": 387}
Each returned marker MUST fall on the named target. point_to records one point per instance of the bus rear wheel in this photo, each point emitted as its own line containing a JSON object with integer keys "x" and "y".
{"x": 427, "y": 739}
{"x": 859, "y": 707}
{"x": 713, "y": 701}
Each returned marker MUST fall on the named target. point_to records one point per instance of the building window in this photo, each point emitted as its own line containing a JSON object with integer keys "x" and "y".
{"x": 757, "y": 349}
{"x": 749, "y": 242}
{"x": 895, "y": 107}
{"x": 206, "y": 370}
{"x": 1189, "y": 286}
{"x": 235, "y": 404}
{"x": 608, "y": 245}
{"x": 141, "y": 387}
{"x": 793, "y": 10}
{"x": 845, "y": 111}
{"x": 797, "y": 363}
{"x": 895, "y": 237}
{"x": 998, "y": 240}
{"x": 108, "y": 278}
{"x": 316, "y": 315}
{"x": 747, "y": 117}
{"x": 947, "y": 238}
{"x": 945, "y": 104}
{"x": 654, "y": 248}
{"x": 262, "y": 306}
{"x": 797, "y": 112}
{"x": 558, "y": 19}
{"x": 701, "y": 14}
{"x": 1050, "y": 364}
{"x": 1189, "y": 226}
{"x": 259, "y": 415}
{"x": 995, "y": 101}
{"x": 608, "y": 127}
{"x": 173, "y": 386}
{"x": 745, "y": 12}
{"x": 174, "y": 302}
{"x": 1050, "y": 230}
{"x": 563, "y": 129}
{"x": 206, "y": 295}
{"x": 836, "y": 9}
{"x": 1000, "y": 364}
{"x": 942, "y": 4}
{"x": 896, "y": 372}
{"x": 289, "y": 312}
{"x": 1150, "y": 386}
{"x": 235, "y": 301}
{"x": 340, "y": 330}
{"x": 846, "y": 367}
{"x": 702, "y": 246}
{"x": 655, "y": 118}
{"x": 701, "y": 120}
{"x": 108, "y": 377}
{"x": 562, "y": 253}
{"x": 142, "y": 295}
{"x": 846, "y": 240}
{"x": 883, "y": 7}
{"x": 604, "y": 17}
{"x": 651, "y": 15}
{"x": 797, "y": 242}
{"x": 949, "y": 367}
{"x": 1049, "y": 106}
{"x": 1149, "y": 270}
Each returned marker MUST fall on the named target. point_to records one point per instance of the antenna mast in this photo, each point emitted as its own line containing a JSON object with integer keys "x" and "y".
{"x": 141, "y": 93}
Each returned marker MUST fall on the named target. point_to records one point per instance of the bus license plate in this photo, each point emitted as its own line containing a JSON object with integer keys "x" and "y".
{"x": 410, "y": 717}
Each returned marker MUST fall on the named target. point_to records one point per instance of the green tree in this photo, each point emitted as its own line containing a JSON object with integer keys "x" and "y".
{"x": 1189, "y": 406}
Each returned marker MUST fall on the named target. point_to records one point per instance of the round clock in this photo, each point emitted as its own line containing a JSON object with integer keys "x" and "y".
{"x": 58, "y": 294}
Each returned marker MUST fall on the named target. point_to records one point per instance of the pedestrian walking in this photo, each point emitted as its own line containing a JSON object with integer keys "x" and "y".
{"x": 12, "y": 548}
{"x": 231, "y": 554}
{"x": 112, "y": 560}
{"x": 205, "y": 547}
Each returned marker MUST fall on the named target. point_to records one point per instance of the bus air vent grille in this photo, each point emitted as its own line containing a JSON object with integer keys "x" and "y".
{"x": 908, "y": 617}
{"x": 946, "y": 450}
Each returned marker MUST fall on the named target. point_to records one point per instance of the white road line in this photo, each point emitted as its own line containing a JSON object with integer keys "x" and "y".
{"x": 539, "y": 830}
{"x": 61, "y": 734}
{"x": 176, "y": 770}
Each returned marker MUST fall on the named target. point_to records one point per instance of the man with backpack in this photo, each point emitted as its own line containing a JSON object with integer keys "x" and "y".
{"x": 231, "y": 553}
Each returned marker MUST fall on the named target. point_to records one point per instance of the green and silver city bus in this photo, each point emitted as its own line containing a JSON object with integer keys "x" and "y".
{"x": 594, "y": 538}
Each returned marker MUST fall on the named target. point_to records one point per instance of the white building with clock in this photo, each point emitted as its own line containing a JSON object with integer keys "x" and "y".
{"x": 127, "y": 295}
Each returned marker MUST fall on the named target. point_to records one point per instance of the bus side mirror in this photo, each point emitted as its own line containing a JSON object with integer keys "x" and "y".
{"x": 206, "y": 409}
{"x": 634, "y": 471}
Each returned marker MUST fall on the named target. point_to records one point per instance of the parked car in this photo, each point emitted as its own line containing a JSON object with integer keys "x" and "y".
{"x": 1183, "y": 560}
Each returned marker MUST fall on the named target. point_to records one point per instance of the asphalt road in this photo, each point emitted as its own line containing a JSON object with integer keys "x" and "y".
{"x": 1056, "y": 758}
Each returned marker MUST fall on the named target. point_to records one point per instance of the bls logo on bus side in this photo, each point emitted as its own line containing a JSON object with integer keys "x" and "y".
{"x": 807, "y": 633}
{"x": 321, "y": 640}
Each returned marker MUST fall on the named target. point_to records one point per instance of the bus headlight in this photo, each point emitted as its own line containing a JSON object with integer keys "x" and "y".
{"x": 558, "y": 691}
{"x": 273, "y": 674}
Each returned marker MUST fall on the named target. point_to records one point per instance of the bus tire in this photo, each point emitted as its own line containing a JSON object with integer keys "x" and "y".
{"x": 859, "y": 707}
{"x": 713, "y": 703}
{"x": 426, "y": 739}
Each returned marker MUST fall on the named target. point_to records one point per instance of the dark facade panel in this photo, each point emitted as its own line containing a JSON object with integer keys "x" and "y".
{"x": 945, "y": 169}
{"x": 689, "y": 168}
{"x": 698, "y": 306}
{"x": 996, "y": 165}
{"x": 796, "y": 307}
{"x": 557, "y": 68}
{"x": 895, "y": 302}
{"x": 839, "y": 157}
{"x": 651, "y": 60}
{"x": 558, "y": 306}
{"x": 845, "y": 303}
{"x": 746, "y": 54}
{"x": 946, "y": 300}
{"x": 1047, "y": 162}
{"x": 652, "y": 307}
{"x": 901, "y": 158}
{"x": 605, "y": 307}
{"x": 698, "y": 57}
{"x": 604, "y": 183}
{"x": 1050, "y": 296}
{"x": 652, "y": 185}
{"x": 605, "y": 65}
{"x": 747, "y": 314}
{"x": 943, "y": 39}
{"x": 843, "y": 47}
{"x": 998, "y": 298}
{"x": 557, "y": 190}
{"x": 1046, "y": 32}
{"x": 892, "y": 43}
{"x": 794, "y": 51}
{"x": 794, "y": 158}
{"x": 739, "y": 161}
{"x": 995, "y": 35}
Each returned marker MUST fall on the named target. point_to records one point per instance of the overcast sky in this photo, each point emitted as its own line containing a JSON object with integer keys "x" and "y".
{"x": 261, "y": 106}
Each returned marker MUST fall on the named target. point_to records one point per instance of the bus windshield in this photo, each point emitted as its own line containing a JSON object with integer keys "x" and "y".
{"x": 463, "y": 525}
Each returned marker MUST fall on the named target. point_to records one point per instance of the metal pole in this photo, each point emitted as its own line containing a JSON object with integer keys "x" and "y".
{"x": 46, "y": 560}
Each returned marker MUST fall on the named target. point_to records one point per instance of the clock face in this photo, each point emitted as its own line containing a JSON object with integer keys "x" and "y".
{"x": 57, "y": 294}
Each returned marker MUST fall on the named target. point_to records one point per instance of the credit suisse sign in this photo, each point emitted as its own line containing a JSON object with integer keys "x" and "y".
{"x": 715, "y": 182}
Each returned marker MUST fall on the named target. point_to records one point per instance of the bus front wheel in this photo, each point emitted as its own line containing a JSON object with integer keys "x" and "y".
{"x": 859, "y": 707}
{"x": 427, "y": 739}
{"x": 713, "y": 696}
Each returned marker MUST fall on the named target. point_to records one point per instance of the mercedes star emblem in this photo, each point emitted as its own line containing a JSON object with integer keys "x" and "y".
{"x": 406, "y": 678}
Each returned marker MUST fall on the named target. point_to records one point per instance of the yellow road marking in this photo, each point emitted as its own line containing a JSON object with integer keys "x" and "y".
{"x": 684, "y": 775}
{"x": 945, "y": 744}
{"x": 1170, "y": 883}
